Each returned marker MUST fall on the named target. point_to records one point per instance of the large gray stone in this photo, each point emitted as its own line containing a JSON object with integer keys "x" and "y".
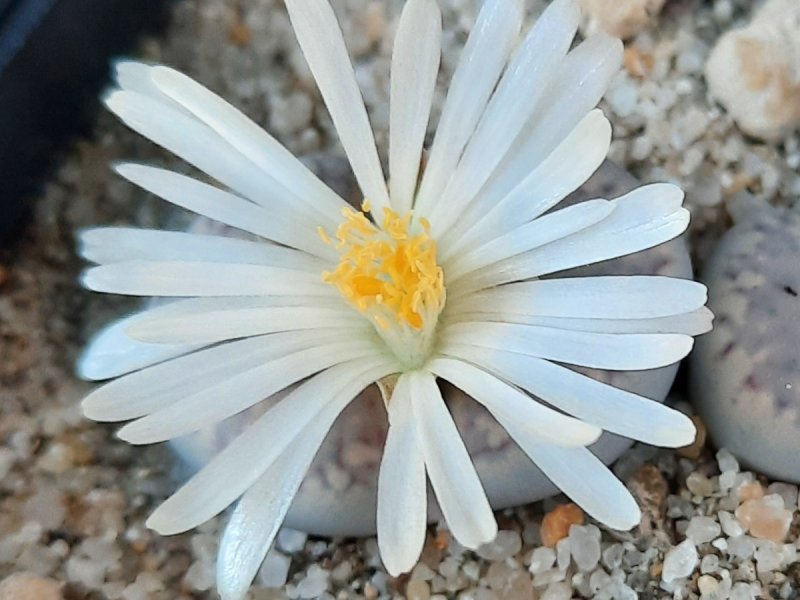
{"x": 745, "y": 374}
{"x": 339, "y": 494}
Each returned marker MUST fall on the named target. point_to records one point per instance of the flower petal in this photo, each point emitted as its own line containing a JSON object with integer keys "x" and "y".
{"x": 225, "y": 207}
{"x": 602, "y": 297}
{"x": 646, "y": 217}
{"x": 481, "y": 63}
{"x": 453, "y": 477}
{"x": 415, "y": 64}
{"x": 321, "y": 40}
{"x": 229, "y": 474}
{"x": 121, "y": 244}
{"x": 610, "y": 408}
{"x": 616, "y": 352}
{"x": 191, "y": 140}
{"x": 692, "y": 323}
{"x": 561, "y": 173}
{"x": 581, "y": 476}
{"x": 260, "y": 512}
{"x": 180, "y": 278}
{"x": 205, "y": 327}
{"x": 501, "y": 399}
{"x": 249, "y": 139}
{"x": 112, "y": 353}
{"x": 146, "y": 391}
{"x": 525, "y": 238}
{"x": 402, "y": 493}
{"x": 203, "y": 408}
{"x": 134, "y": 76}
{"x": 525, "y": 81}
{"x": 582, "y": 79}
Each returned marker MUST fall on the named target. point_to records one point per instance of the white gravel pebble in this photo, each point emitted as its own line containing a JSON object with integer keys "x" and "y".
{"x": 702, "y": 530}
{"x": 504, "y": 545}
{"x": 741, "y": 546}
{"x": 314, "y": 583}
{"x": 542, "y": 560}
{"x": 730, "y": 526}
{"x": 557, "y": 591}
{"x": 290, "y": 540}
{"x": 727, "y": 462}
{"x": 274, "y": 570}
{"x": 679, "y": 561}
{"x": 584, "y": 541}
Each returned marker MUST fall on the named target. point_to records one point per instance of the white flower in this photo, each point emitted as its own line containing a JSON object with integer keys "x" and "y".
{"x": 446, "y": 285}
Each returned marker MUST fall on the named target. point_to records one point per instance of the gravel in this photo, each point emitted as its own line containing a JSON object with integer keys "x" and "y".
{"x": 74, "y": 499}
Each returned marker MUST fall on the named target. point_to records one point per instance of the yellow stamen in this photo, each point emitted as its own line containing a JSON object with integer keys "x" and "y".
{"x": 388, "y": 273}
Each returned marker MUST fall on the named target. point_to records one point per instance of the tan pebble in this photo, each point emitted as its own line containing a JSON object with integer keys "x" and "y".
{"x": 240, "y": 34}
{"x": 442, "y": 540}
{"x": 765, "y": 518}
{"x": 29, "y": 586}
{"x": 556, "y": 523}
{"x": 739, "y": 182}
{"x": 650, "y": 489}
{"x": 636, "y": 62}
{"x": 431, "y": 554}
{"x": 620, "y": 19}
{"x": 375, "y": 22}
{"x": 656, "y": 569}
{"x": 370, "y": 592}
{"x": 64, "y": 454}
{"x": 694, "y": 449}
{"x": 417, "y": 589}
{"x": 751, "y": 491}
{"x": 754, "y": 72}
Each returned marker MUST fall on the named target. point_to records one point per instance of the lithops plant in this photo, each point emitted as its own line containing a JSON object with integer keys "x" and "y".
{"x": 746, "y": 373}
{"x": 339, "y": 494}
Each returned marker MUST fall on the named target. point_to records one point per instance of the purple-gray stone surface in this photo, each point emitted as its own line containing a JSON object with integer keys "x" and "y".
{"x": 745, "y": 374}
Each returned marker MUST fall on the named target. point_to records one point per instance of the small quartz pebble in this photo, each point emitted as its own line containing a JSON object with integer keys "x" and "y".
{"x": 504, "y": 545}
{"x": 314, "y": 584}
{"x": 290, "y": 540}
{"x": 707, "y": 585}
{"x": 418, "y": 589}
{"x": 620, "y": 19}
{"x": 699, "y": 485}
{"x": 29, "y": 586}
{"x": 274, "y": 570}
{"x": 727, "y": 462}
{"x": 679, "y": 561}
{"x": 744, "y": 374}
{"x": 584, "y": 543}
{"x": 702, "y": 530}
{"x": 786, "y": 491}
{"x": 730, "y": 526}
{"x": 542, "y": 560}
{"x": 754, "y": 72}
{"x": 557, "y": 591}
{"x": 741, "y": 546}
{"x": 765, "y": 517}
{"x": 556, "y": 523}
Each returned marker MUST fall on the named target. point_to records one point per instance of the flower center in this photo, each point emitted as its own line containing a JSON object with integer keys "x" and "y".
{"x": 390, "y": 275}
